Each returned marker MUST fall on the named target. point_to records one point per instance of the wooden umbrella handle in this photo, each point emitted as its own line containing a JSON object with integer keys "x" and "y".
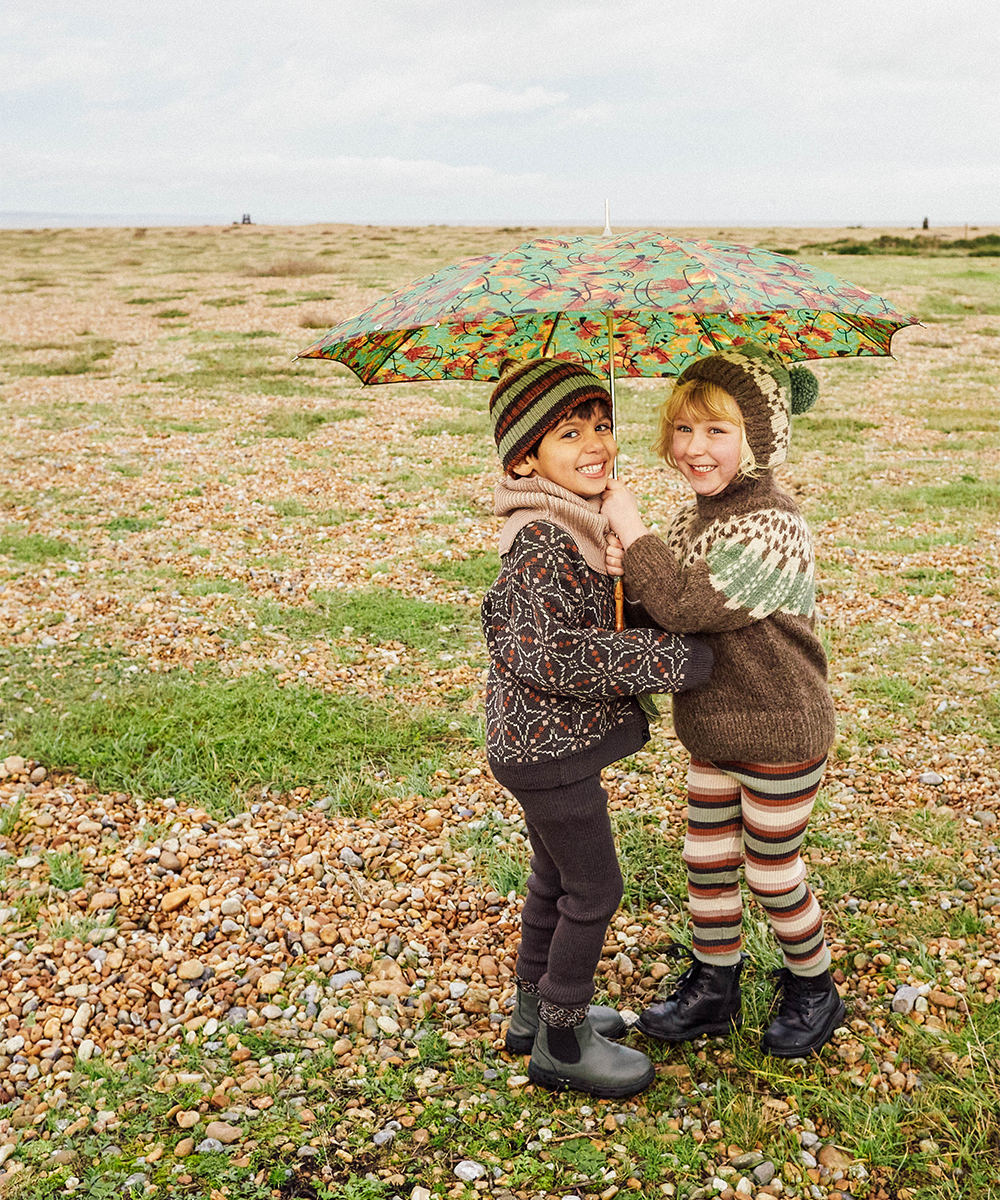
{"x": 619, "y": 605}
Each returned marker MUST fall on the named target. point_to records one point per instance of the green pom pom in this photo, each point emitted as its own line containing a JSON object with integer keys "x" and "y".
{"x": 805, "y": 389}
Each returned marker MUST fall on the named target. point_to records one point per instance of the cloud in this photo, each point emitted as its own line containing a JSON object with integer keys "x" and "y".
{"x": 466, "y": 112}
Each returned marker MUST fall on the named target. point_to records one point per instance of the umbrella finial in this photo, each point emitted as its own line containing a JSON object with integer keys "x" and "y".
{"x": 607, "y": 218}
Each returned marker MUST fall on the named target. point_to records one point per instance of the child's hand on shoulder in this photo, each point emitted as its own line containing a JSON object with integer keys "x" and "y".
{"x": 620, "y": 507}
{"x": 614, "y": 556}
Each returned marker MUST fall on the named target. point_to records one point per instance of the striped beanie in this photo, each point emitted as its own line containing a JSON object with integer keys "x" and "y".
{"x": 766, "y": 392}
{"x": 533, "y": 397}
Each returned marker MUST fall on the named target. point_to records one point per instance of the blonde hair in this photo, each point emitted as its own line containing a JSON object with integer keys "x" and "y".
{"x": 704, "y": 401}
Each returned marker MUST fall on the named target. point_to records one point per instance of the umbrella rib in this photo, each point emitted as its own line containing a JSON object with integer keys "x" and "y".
{"x": 707, "y": 332}
{"x": 552, "y": 334}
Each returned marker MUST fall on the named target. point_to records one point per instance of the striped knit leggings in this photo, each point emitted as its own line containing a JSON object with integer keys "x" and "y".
{"x": 756, "y": 814}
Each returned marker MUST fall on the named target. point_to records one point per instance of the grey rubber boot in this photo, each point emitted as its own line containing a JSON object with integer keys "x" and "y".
{"x": 524, "y": 1023}
{"x": 579, "y": 1058}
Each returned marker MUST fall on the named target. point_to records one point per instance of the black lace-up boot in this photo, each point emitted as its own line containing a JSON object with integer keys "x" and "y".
{"x": 705, "y": 1003}
{"x": 809, "y": 1012}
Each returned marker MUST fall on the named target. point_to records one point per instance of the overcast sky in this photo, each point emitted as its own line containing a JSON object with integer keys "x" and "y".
{"x": 704, "y": 112}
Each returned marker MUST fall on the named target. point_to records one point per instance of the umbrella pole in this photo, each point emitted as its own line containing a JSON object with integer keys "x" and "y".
{"x": 619, "y": 586}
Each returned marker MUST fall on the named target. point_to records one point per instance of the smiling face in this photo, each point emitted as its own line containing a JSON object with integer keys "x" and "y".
{"x": 577, "y": 454}
{"x": 707, "y": 451}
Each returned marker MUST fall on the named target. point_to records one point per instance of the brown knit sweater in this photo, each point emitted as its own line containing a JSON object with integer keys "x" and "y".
{"x": 738, "y": 569}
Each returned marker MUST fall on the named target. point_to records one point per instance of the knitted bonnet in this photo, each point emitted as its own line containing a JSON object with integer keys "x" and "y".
{"x": 766, "y": 392}
{"x": 533, "y": 397}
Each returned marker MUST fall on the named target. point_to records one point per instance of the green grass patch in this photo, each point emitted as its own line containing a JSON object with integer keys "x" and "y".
{"x": 131, "y": 524}
{"x": 215, "y": 740}
{"x": 864, "y": 880}
{"x": 378, "y": 615}
{"x": 243, "y": 367}
{"x": 34, "y": 547}
{"x": 79, "y": 363}
{"x": 651, "y": 864}
{"x": 297, "y": 423}
{"x": 499, "y": 862}
{"x": 460, "y": 425}
{"x": 225, "y": 301}
{"x": 290, "y": 508}
{"x": 825, "y": 433}
{"x": 65, "y": 870}
{"x": 974, "y": 495}
{"x": 477, "y": 571}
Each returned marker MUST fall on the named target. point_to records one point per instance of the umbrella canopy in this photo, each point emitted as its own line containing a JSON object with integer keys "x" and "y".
{"x": 664, "y": 302}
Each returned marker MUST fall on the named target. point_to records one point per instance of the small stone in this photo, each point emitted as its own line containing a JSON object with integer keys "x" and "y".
{"x": 175, "y": 899}
{"x": 270, "y": 983}
{"x": 930, "y": 778}
{"x": 136, "y": 1179}
{"x": 209, "y": 1146}
{"x": 231, "y": 906}
{"x": 224, "y": 1132}
{"x": 271, "y": 1011}
{"x": 169, "y": 861}
{"x": 986, "y": 819}
{"x": 387, "y": 1133}
{"x": 191, "y": 969}
{"x": 904, "y": 999}
{"x": 764, "y": 1172}
{"x": 187, "y": 1119}
{"x": 457, "y": 989}
{"x": 350, "y": 859}
{"x": 746, "y": 1162}
{"x": 834, "y": 1158}
{"x": 469, "y": 1171}
{"x": 388, "y": 1026}
{"x": 184, "y": 1147}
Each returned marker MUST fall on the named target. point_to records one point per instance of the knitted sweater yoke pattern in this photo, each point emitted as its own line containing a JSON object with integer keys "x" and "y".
{"x": 738, "y": 569}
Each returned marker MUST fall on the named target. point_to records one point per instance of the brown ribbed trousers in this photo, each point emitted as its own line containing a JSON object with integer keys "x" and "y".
{"x": 574, "y": 888}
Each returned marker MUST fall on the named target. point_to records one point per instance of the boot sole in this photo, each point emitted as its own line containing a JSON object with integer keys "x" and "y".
{"x": 522, "y": 1043}
{"x": 723, "y": 1029}
{"x": 559, "y": 1083}
{"x": 817, "y": 1043}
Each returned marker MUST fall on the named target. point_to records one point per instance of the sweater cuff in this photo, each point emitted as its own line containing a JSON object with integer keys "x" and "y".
{"x": 701, "y": 659}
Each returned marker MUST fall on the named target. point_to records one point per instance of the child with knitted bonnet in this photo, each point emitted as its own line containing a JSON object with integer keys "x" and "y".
{"x": 736, "y": 567}
{"x": 560, "y": 705}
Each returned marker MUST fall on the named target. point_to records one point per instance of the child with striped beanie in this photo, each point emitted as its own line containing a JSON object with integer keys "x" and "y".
{"x": 736, "y": 567}
{"x": 561, "y": 703}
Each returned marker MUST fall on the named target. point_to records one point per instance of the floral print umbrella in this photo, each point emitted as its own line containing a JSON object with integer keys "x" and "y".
{"x": 659, "y": 301}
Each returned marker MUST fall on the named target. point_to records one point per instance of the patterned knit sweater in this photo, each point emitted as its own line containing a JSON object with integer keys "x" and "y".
{"x": 560, "y": 695}
{"x": 738, "y": 569}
